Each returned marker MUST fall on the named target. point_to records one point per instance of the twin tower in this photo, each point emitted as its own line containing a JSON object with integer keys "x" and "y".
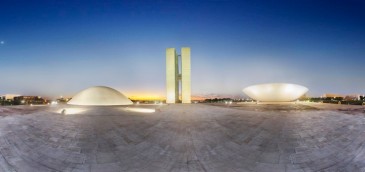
{"x": 177, "y": 73}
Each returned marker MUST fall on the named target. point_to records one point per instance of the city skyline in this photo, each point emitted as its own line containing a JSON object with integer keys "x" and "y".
{"x": 52, "y": 48}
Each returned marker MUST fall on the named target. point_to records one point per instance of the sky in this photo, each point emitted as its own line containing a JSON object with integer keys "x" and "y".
{"x": 53, "y": 48}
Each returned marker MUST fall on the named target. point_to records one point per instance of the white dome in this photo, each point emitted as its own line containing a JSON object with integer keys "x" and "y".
{"x": 99, "y": 96}
{"x": 275, "y": 92}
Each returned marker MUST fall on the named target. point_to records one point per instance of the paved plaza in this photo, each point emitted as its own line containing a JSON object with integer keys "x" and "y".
{"x": 195, "y": 137}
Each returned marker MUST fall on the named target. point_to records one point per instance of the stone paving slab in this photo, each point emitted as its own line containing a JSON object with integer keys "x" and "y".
{"x": 293, "y": 138}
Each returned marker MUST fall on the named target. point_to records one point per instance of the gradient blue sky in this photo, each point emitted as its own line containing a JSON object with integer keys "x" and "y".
{"x": 54, "y": 48}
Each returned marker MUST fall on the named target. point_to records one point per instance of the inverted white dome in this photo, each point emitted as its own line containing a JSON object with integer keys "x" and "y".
{"x": 275, "y": 92}
{"x": 99, "y": 96}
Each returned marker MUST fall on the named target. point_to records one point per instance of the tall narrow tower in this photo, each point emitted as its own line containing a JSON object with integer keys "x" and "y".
{"x": 173, "y": 77}
{"x": 185, "y": 75}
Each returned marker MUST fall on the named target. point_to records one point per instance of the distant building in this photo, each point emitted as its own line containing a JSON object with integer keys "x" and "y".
{"x": 331, "y": 95}
{"x": 9, "y": 96}
{"x": 28, "y": 100}
{"x": 7, "y": 99}
{"x": 344, "y": 97}
{"x": 3, "y": 101}
{"x": 352, "y": 97}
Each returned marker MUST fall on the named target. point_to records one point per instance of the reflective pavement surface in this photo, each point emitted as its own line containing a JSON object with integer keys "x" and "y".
{"x": 194, "y": 137}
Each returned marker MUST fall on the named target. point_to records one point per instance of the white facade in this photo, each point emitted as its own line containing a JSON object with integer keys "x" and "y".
{"x": 275, "y": 92}
{"x": 172, "y": 81}
{"x": 173, "y": 77}
{"x": 185, "y": 75}
{"x": 99, "y": 96}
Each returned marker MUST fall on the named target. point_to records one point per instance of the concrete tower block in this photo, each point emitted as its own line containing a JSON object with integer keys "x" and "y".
{"x": 185, "y": 75}
{"x": 173, "y": 76}
{"x": 172, "y": 82}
